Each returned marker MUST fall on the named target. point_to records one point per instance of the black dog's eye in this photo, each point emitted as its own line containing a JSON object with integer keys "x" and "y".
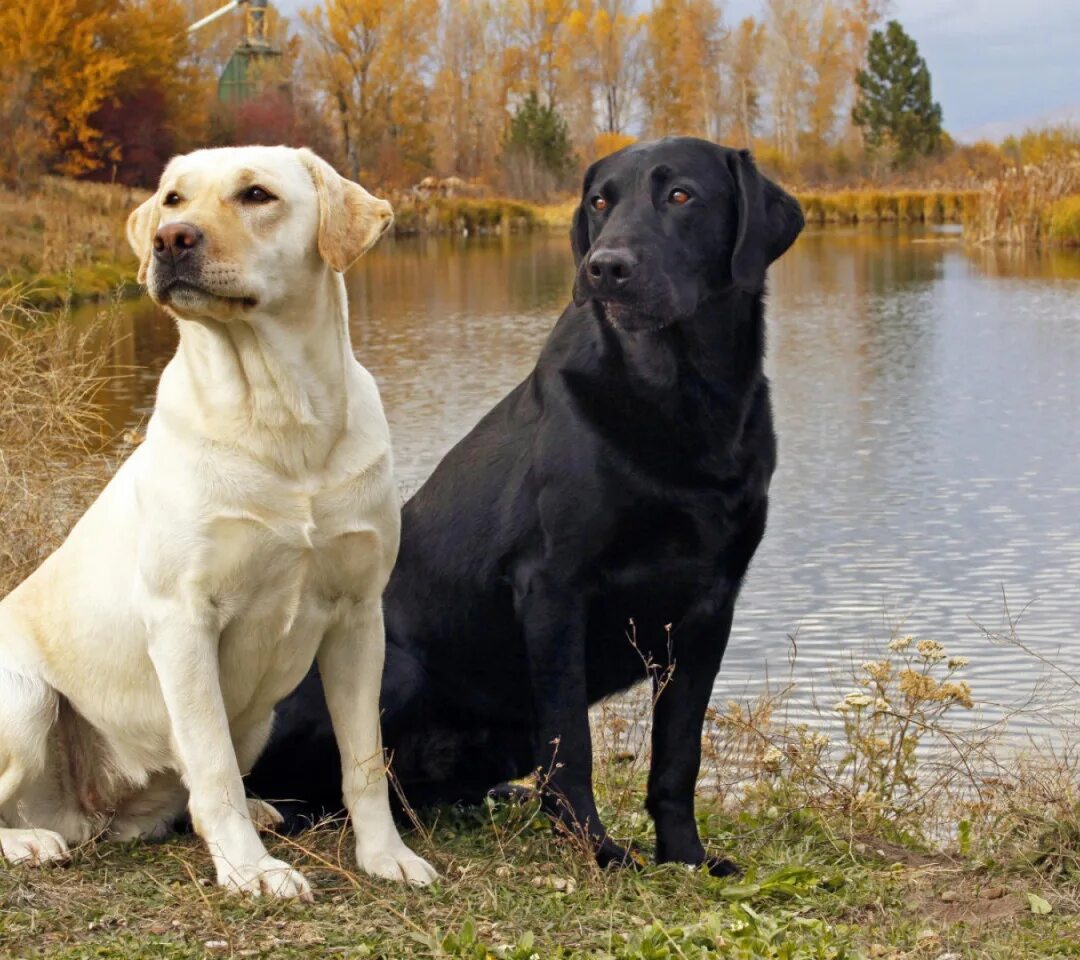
{"x": 678, "y": 196}
{"x": 598, "y": 203}
{"x": 257, "y": 195}
{"x": 172, "y": 198}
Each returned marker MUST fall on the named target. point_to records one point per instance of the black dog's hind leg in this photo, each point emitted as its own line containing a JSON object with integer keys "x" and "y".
{"x": 681, "y": 699}
{"x": 554, "y": 624}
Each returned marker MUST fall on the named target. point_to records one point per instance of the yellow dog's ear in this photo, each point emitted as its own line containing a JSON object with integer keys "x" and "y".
{"x": 350, "y": 218}
{"x": 142, "y": 224}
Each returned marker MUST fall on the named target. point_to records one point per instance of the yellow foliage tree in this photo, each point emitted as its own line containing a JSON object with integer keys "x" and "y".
{"x": 158, "y": 72}
{"x": 537, "y": 31}
{"x": 606, "y": 40}
{"x": 682, "y": 84}
{"x": 745, "y": 48}
{"x": 829, "y": 81}
{"x": 470, "y": 90}
{"x": 55, "y": 73}
{"x": 369, "y": 57}
{"x": 608, "y": 142}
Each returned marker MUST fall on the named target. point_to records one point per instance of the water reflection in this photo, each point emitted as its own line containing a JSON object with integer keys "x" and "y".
{"x": 926, "y": 399}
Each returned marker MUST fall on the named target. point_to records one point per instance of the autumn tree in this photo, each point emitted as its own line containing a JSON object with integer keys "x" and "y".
{"x": 55, "y": 73}
{"x": 470, "y": 89}
{"x": 681, "y": 89}
{"x": 160, "y": 102}
{"x": 538, "y": 32}
{"x": 788, "y": 52}
{"x": 369, "y": 57}
{"x": 746, "y": 45}
{"x": 828, "y": 81}
{"x": 895, "y": 107}
{"x": 609, "y": 36}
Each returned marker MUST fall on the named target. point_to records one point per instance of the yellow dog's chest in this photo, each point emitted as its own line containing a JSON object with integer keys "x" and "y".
{"x": 278, "y": 581}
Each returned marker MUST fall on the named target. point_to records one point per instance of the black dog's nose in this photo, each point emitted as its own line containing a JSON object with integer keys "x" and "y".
{"x": 611, "y": 269}
{"x": 176, "y": 240}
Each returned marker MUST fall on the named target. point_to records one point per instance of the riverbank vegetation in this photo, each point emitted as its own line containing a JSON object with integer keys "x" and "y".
{"x": 63, "y": 238}
{"x": 1034, "y": 205}
{"x": 894, "y": 819}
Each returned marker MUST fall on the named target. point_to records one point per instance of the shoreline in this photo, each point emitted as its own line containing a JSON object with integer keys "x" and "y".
{"x": 38, "y": 254}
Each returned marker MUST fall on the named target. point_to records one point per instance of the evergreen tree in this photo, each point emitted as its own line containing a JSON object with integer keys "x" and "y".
{"x": 895, "y": 106}
{"x": 537, "y": 153}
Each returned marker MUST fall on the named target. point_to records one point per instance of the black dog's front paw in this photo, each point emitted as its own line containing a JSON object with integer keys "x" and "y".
{"x": 722, "y": 867}
{"x": 610, "y": 854}
{"x": 717, "y": 866}
{"x": 512, "y": 793}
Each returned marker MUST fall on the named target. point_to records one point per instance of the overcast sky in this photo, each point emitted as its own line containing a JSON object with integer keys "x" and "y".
{"x": 1001, "y": 62}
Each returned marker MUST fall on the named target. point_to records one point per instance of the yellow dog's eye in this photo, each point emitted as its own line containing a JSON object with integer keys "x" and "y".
{"x": 678, "y": 196}
{"x": 598, "y": 203}
{"x": 257, "y": 195}
{"x": 172, "y": 198}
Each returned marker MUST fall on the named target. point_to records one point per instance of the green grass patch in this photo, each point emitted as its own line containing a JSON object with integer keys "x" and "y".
{"x": 511, "y": 888}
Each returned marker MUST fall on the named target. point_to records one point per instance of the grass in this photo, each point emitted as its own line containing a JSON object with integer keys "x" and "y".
{"x": 53, "y": 456}
{"x": 65, "y": 240}
{"x": 816, "y": 886}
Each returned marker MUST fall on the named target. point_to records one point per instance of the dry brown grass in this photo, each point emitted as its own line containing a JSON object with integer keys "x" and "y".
{"x": 879, "y": 205}
{"x": 1031, "y": 205}
{"x": 52, "y": 435}
{"x": 67, "y": 238}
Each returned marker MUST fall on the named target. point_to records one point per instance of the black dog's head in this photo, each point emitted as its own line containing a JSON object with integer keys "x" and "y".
{"x": 664, "y": 225}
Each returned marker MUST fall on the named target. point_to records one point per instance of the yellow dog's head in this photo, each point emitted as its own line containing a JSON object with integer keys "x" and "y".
{"x": 233, "y": 229}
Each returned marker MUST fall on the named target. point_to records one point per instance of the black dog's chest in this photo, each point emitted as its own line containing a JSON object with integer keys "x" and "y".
{"x": 662, "y": 563}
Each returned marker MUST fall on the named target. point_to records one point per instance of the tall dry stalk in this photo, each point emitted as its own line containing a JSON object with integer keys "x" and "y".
{"x": 52, "y": 434}
{"x": 1018, "y": 208}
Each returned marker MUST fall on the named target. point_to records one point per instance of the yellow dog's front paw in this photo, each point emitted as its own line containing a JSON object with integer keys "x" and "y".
{"x": 398, "y": 863}
{"x": 32, "y": 846}
{"x": 268, "y": 877}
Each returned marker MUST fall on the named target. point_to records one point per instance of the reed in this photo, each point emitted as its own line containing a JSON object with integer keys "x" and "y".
{"x": 885, "y": 206}
{"x": 52, "y": 430}
{"x": 1034, "y": 205}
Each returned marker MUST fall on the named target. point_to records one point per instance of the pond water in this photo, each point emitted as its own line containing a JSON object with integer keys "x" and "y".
{"x": 926, "y": 401}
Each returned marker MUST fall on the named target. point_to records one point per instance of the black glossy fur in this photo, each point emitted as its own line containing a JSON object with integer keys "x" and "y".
{"x": 625, "y": 479}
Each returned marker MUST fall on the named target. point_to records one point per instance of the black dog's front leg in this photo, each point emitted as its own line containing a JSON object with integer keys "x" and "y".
{"x": 682, "y": 696}
{"x": 553, "y": 620}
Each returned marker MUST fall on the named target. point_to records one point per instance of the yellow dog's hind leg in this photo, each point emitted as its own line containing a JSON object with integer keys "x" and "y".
{"x": 28, "y": 712}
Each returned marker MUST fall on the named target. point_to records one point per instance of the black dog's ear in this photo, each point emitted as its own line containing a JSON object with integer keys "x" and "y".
{"x": 579, "y": 234}
{"x": 769, "y": 221}
{"x": 579, "y": 227}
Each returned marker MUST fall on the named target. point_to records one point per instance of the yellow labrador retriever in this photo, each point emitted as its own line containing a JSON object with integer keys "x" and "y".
{"x": 252, "y": 531}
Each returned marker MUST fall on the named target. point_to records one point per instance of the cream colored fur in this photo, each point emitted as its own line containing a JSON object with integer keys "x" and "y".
{"x": 252, "y": 532}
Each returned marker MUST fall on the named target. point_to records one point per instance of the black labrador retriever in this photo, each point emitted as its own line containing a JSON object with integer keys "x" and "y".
{"x": 594, "y": 528}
